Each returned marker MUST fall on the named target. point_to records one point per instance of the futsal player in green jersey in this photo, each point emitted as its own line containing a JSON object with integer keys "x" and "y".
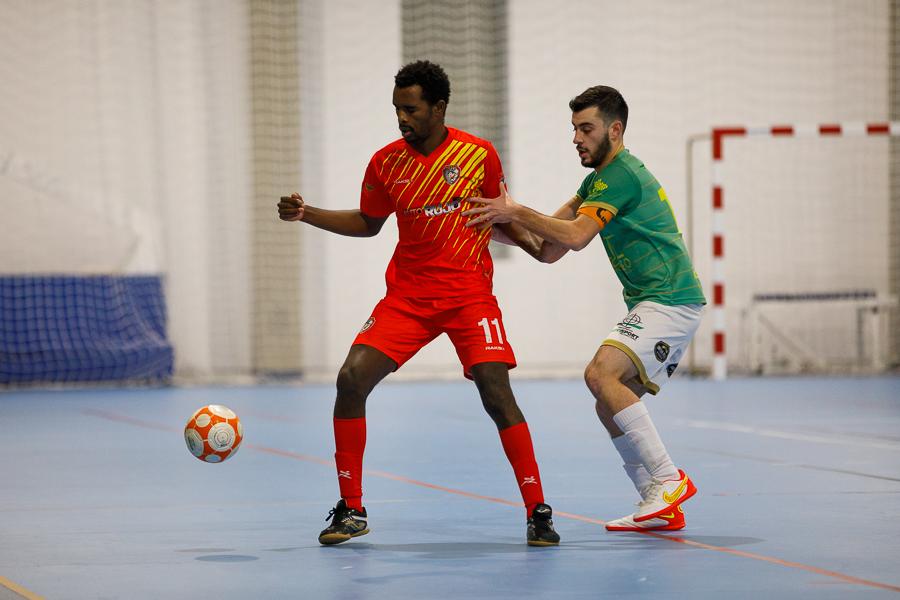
{"x": 622, "y": 202}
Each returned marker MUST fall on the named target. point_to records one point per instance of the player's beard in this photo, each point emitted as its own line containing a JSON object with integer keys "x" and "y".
{"x": 594, "y": 160}
{"x": 414, "y": 136}
{"x": 420, "y": 131}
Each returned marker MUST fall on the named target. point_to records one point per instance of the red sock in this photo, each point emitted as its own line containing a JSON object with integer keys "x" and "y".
{"x": 350, "y": 444}
{"x": 520, "y": 452}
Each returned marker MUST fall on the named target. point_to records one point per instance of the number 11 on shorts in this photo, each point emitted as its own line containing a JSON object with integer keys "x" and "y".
{"x": 486, "y": 325}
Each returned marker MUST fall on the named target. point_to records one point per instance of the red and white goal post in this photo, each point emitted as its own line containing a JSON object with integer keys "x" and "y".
{"x": 810, "y": 249}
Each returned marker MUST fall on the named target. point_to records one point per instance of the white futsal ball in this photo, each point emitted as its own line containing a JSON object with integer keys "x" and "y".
{"x": 213, "y": 433}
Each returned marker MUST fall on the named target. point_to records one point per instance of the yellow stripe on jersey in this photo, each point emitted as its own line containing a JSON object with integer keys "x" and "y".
{"x": 474, "y": 160}
{"x": 451, "y": 147}
{"x": 461, "y": 155}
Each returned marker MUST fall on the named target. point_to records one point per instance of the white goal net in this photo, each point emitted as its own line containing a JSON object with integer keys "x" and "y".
{"x": 801, "y": 248}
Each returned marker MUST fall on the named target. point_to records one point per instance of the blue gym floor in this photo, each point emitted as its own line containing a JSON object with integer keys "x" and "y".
{"x": 799, "y": 495}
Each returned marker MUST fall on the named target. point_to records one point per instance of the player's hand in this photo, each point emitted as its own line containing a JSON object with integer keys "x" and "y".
{"x": 491, "y": 210}
{"x": 291, "y": 208}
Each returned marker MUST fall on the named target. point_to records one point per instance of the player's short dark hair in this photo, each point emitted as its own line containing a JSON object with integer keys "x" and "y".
{"x": 608, "y": 100}
{"x": 430, "y": 76}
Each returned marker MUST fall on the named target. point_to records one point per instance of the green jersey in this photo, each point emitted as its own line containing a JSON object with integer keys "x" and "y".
{"x": 640, "y": 234}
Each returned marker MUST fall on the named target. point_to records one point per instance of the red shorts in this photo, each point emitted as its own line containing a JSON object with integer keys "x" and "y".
{"x": 400, "y": 327}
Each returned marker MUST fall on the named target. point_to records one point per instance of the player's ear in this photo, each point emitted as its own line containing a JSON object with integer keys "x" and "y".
{"x": 616, "y": 130}
{"x": 440, "y": 107}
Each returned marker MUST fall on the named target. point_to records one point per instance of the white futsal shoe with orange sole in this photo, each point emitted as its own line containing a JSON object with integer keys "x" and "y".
{"x": 671, "y": 521}
{"x": 663, "y": 497}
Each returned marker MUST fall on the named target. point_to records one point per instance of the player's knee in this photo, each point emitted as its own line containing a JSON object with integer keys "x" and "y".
{"x": 598, "y": 379}
{"x": 498, "y": 406}
{"x": 498, "y": 400}
{"x": 503, "y": 412}
{"x": 592, "y": 377}
{"x": 351, "y": 384}
{"x": 495, "y": 395}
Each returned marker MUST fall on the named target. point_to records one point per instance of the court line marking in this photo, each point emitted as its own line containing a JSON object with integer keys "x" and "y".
{"x": 671, "y": 538}
{"x": 785, "y": 463}
{"x": 852, "y": 434}
{"x": 111, "y": 416}
{"x": 18, "y": 589}
{"x": 788, "y": 435}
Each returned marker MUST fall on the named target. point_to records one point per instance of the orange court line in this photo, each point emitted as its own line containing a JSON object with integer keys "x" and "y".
{"x": 18, "y": 589}
{"x": 385, "y": 475}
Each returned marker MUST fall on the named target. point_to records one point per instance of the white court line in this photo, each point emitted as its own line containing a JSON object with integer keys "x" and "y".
{"x": 835, "y": 440}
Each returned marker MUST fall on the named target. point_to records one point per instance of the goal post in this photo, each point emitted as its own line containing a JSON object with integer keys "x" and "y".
{"x": 803, "y": 258}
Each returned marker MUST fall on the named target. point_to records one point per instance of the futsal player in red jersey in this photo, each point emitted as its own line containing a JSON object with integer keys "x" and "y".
{"x": 438, "y": 281}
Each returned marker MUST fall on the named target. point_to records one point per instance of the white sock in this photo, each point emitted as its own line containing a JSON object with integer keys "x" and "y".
{"x": 644, "y": 440}
{"x": 637, "y": 472}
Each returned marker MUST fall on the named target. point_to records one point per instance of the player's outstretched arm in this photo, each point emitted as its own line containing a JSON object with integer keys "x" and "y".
{"x": 515, "y": 235}
{"x": 550, "y": 251}
{"x": 571, "y": 233}
{"x": 546, "y": 252}
{"x": 353, "y": 223}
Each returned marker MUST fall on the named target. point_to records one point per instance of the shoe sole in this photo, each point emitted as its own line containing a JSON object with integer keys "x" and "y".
{"x": 689, "y": 493}
{"x": 542, "y": 543}
{"x": 336, "y": 538}
{"x": 670, "y": 527}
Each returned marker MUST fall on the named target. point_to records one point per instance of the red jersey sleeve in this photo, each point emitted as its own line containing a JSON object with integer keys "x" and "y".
{"x": 493, "y": 173}
{"x": 373, "y": 198}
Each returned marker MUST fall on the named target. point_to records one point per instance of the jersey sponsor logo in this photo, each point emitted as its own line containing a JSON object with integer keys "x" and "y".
{"x": 368, "y": 324}
{"x": 401, "y": 182}
{"x": 494, "y": 348}
{"x": 671, "y": 369}
{"x": 661, "y": 351}
{"x": 627, "y": 325}
{"x": 600, "y": 185}
{"x": 451, "y": 174}
{"x": 627, "y": 333}
{"x": 632, "y": 320}
{"x": 435, "y": 210}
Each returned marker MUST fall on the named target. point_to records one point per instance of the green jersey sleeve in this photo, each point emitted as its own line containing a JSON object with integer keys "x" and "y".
{"x": 584, "y": 190}
{"x": 613, "y": 188}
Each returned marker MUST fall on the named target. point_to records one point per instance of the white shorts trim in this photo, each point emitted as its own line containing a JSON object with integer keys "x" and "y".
{"x": 655, "y": 338}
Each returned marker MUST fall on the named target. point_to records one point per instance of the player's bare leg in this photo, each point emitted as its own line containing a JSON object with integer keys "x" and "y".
{"x": 606, "y": 376}
{"x": 613, "y": 380}
{"x": 492, "y": 380}
{"x": 362, "y": 370}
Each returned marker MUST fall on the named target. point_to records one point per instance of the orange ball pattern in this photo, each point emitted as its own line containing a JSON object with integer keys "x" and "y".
{"x": 213, "y": 433}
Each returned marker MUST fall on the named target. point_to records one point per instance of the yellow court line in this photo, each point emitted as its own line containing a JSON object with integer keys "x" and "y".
{"x": 111, "y": 416}
{"x": 18, "y": 589}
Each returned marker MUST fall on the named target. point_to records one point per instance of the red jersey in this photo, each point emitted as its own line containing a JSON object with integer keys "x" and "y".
{"x": 436, "y": 256}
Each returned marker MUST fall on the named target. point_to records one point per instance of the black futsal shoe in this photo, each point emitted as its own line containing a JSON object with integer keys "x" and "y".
{"x": 540, "y": 527}
{"x": 346, "y": 523}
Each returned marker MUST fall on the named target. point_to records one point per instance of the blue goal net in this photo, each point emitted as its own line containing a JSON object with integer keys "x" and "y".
{"x": 83, "y": 329}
